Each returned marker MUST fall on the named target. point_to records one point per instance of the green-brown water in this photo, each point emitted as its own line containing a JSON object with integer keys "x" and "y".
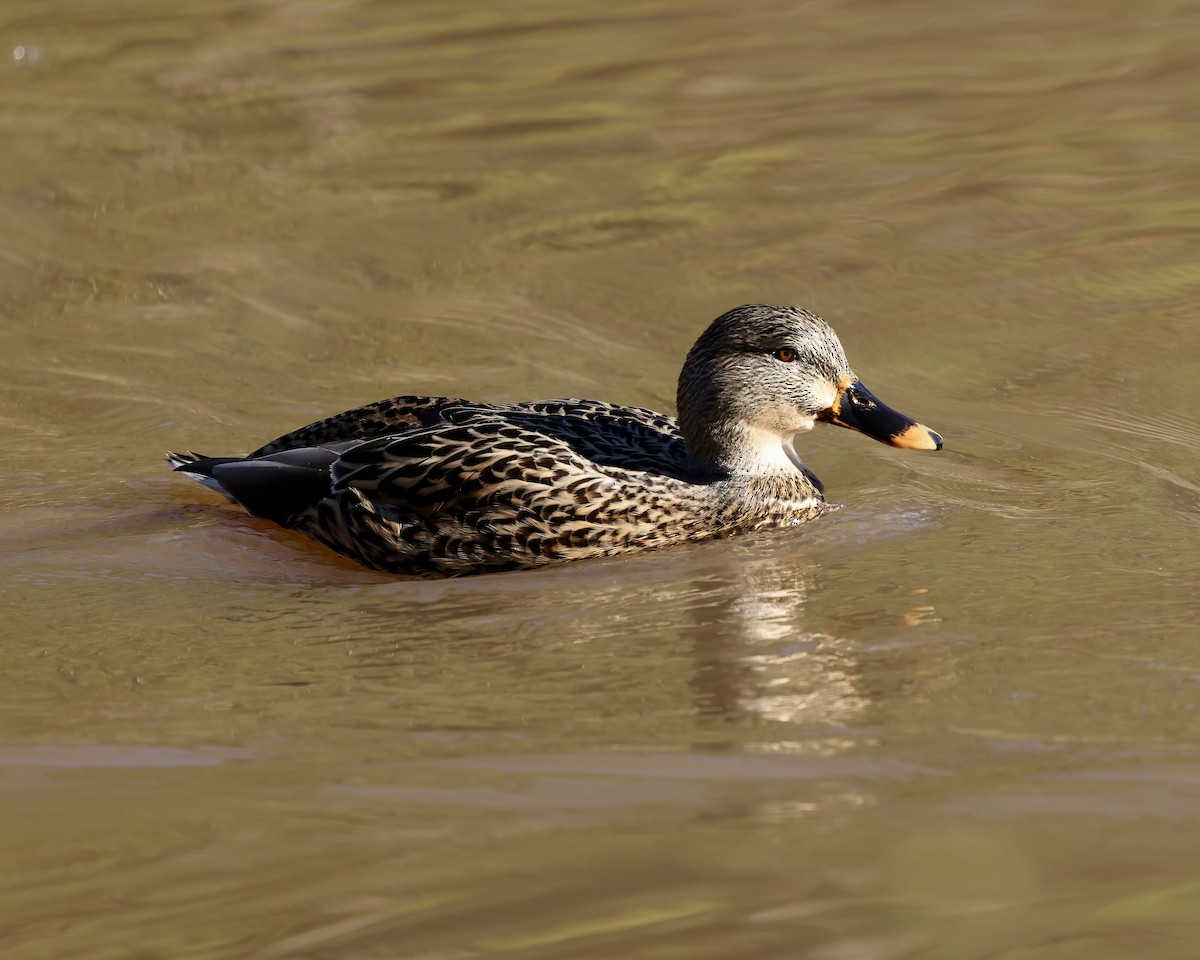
{"x": 957, "y": 719}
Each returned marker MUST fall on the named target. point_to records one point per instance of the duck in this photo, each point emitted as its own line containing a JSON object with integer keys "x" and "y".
{"x": 443, "y": 487}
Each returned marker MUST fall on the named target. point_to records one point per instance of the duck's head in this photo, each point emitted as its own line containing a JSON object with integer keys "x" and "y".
{"x": 761, "y": 374}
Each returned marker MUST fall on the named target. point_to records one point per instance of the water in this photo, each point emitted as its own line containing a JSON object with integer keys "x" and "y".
{"x": 957, "y": 718}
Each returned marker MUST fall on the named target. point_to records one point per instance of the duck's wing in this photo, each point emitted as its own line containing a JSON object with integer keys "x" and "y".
{"x": 456, "y": 468}
{"x": 496, "y": 493}
{"x": 384, "y": 417}
{"x": 464, "y": 459}
{"x": 482, "y": 452}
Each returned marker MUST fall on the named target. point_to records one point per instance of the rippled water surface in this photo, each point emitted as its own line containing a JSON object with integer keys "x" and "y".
{"x": 957, "y": 719}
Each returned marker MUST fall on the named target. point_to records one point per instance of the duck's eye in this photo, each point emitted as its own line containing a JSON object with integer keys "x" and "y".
{"x": 786, "y": 354}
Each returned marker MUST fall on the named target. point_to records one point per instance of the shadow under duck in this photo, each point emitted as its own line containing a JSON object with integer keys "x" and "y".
{"x": 437, "y": 486}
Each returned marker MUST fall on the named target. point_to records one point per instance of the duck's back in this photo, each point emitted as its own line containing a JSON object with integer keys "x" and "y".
{"x": 401, "y": 414}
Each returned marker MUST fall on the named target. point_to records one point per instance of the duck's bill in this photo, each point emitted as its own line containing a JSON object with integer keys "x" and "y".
{"x": 859, "y": 409}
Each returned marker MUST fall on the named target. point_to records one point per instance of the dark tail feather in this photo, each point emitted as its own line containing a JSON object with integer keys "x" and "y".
{"x": 277, "y": 487}
{"x": 199, "y": 468}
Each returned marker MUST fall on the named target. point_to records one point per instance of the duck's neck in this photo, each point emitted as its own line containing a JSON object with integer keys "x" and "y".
{"x": 739, "y": 449}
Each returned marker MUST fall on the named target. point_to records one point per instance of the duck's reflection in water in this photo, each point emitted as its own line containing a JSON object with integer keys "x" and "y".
{"x": 768, "y": 650}
{"x": 757, "y": 660}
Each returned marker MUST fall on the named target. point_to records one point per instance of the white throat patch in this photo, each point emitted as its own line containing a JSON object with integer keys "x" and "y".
{"x": 768, "y": 452}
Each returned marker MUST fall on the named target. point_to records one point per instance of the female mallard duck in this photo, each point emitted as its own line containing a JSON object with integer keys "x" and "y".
{"x": 433, "y": 486}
